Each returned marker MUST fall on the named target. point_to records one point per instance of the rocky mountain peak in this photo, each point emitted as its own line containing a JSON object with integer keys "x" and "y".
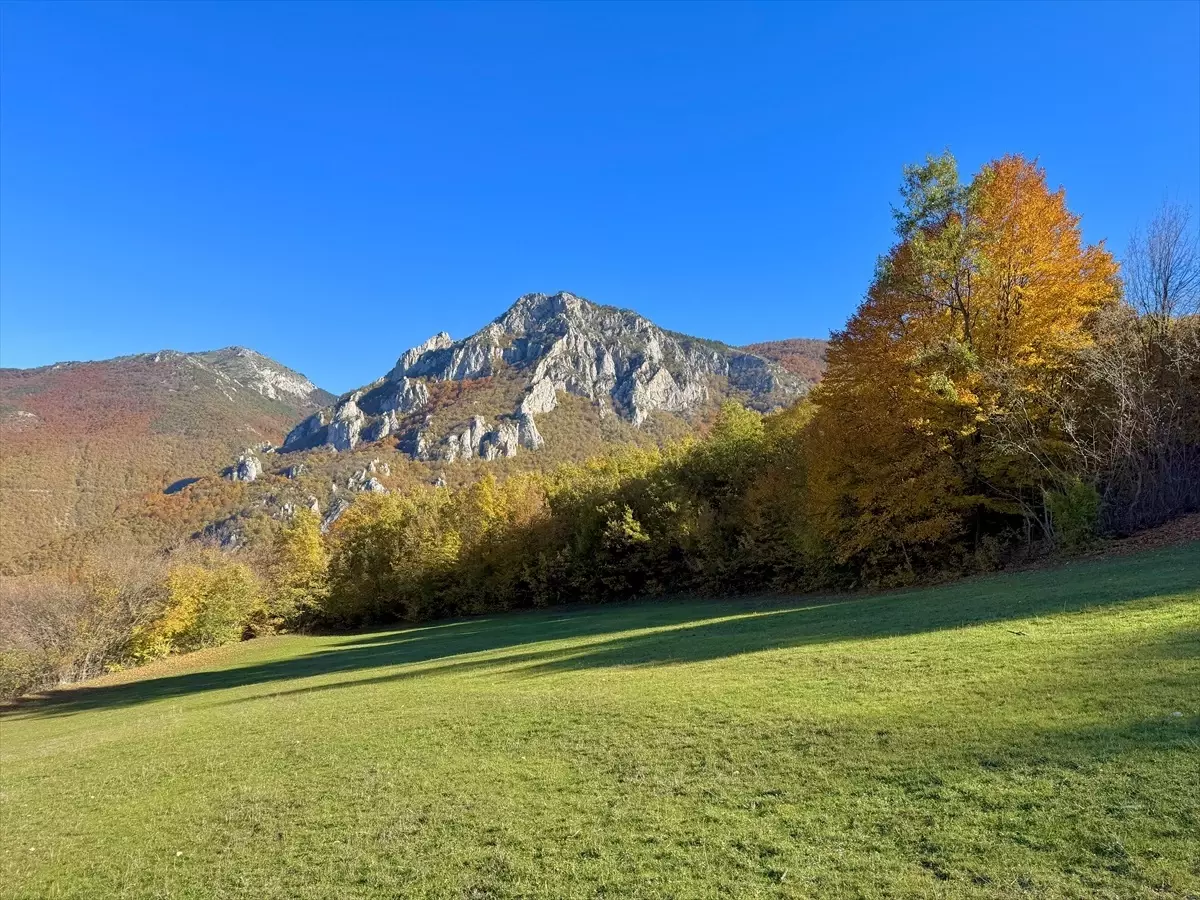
{"x": 551, "y": 344}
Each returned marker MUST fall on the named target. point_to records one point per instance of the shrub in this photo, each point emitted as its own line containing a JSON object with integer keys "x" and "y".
{"x": 23, "y": 670}
{"x": 207, "y": 605}
{"x": 63, "y": 627}
{"x": 1073, "y": 511}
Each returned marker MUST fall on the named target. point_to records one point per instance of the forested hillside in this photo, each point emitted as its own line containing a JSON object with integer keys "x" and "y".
{"x": 804, "y": 357}
{"x": 82, "y": 440}
{"x": 1005, "y": 390}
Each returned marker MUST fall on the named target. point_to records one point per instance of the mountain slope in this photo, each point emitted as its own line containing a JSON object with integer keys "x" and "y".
{"x": 544, "y": 350}
{"x": 804, "y": 357}
{"x": 137, "y": 446}
{"x": 79, "y": 439}
{"x": 554, "y": 379}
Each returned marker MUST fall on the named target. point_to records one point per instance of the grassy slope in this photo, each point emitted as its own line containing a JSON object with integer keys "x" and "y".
{"x": 1008, "y": 736}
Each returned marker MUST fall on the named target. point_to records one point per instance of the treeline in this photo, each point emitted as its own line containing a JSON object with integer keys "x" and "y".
{"x": 1003, "y": 390}
{"x": 1000, "y": 391}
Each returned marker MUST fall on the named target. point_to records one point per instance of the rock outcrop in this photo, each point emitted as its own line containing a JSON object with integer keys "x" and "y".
{"x": 247, "y": 468}
{"x": 348, "y": 420}
{"x": 366, "y": 415}
{"x": 439, "y": 341}
{"x": 503, "y": 441}
{"x": 365, "y": 480}
{"x": 241, "y": 367}
{"x": 337, "y": 506}
{"x": 559, "y": 344}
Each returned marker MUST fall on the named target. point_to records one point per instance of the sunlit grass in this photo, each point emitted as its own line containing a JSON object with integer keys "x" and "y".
{"x": 1026, "y": 735}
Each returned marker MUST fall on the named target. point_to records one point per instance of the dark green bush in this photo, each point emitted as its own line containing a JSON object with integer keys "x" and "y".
{"x": 1074, "y": 511}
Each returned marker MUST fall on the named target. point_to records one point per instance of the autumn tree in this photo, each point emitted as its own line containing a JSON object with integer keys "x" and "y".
{"x": 973, "y": 317}
{"x": 299, "y": 571}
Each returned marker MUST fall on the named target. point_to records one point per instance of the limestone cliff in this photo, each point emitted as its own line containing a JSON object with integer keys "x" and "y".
{"x": 554, "y": 344}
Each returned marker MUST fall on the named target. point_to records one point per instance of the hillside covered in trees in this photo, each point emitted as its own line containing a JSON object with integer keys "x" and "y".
{"x": 84, "y": 441}
{"x": 804, "y": 357}
{"x": 1004, "y": 390}
{"x": 555, "y": 379}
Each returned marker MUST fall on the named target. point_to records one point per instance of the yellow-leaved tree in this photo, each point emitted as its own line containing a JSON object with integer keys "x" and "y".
{"x": 299, "y": 572}
{"x": 209, "y": 602}
{"x": 946, "y": 374}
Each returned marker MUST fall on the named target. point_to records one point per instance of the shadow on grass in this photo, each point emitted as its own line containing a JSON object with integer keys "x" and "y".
{"x": 665, "y": 632}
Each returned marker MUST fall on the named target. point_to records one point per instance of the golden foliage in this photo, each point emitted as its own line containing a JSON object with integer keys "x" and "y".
{"x": 986, "y": 298}
{"x": 207, "y": 605}
{"x": 299, "y": 571}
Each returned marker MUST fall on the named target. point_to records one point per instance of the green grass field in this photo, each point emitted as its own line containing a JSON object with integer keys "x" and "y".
{"x": 1026, "y": 735}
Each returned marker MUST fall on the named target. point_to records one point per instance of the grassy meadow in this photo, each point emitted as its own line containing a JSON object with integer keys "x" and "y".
{"x": 1026, "y": 735}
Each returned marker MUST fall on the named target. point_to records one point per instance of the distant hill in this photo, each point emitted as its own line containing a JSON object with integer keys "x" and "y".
{"x": 80, "y": 439}
{"x": 800, "y": 356}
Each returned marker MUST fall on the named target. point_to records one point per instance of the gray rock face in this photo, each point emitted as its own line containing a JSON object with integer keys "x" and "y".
{"x": 415, "y": 443}
{"x": 464, "y": 444}
{"x": 247, "y": 468}
{"x": 347, "y": 423}
{"x": 477, "y": 439}
{"x": 378, "y": 429}
{"x": 541, "y": 398}
{"x": 528, "y": 435}
{"x": 336, "y": 507}
{"x": 560, "y": 343}
{"x": 652, "y": 388}
{"x": 502, "y": 442}
{"x": 365, "y": 480}
{"x": 366, "y": 416}
{"x": 439, "y": 341}
{"x": 601, "y": 353}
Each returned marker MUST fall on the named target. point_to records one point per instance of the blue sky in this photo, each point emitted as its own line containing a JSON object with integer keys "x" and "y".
{"x": 330, "y": 184}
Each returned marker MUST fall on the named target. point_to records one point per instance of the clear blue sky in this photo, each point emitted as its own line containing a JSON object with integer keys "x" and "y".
{"x": 330, "y": 184}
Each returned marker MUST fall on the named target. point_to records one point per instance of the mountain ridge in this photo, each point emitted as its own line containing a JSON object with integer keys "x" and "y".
{"x": 547, "y": 345}
{"x": 220, "y": 360}
{"x": 166, "y": 444}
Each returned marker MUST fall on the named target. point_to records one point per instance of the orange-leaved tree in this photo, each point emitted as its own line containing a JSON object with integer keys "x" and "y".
{"x": 948, "y": 370}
